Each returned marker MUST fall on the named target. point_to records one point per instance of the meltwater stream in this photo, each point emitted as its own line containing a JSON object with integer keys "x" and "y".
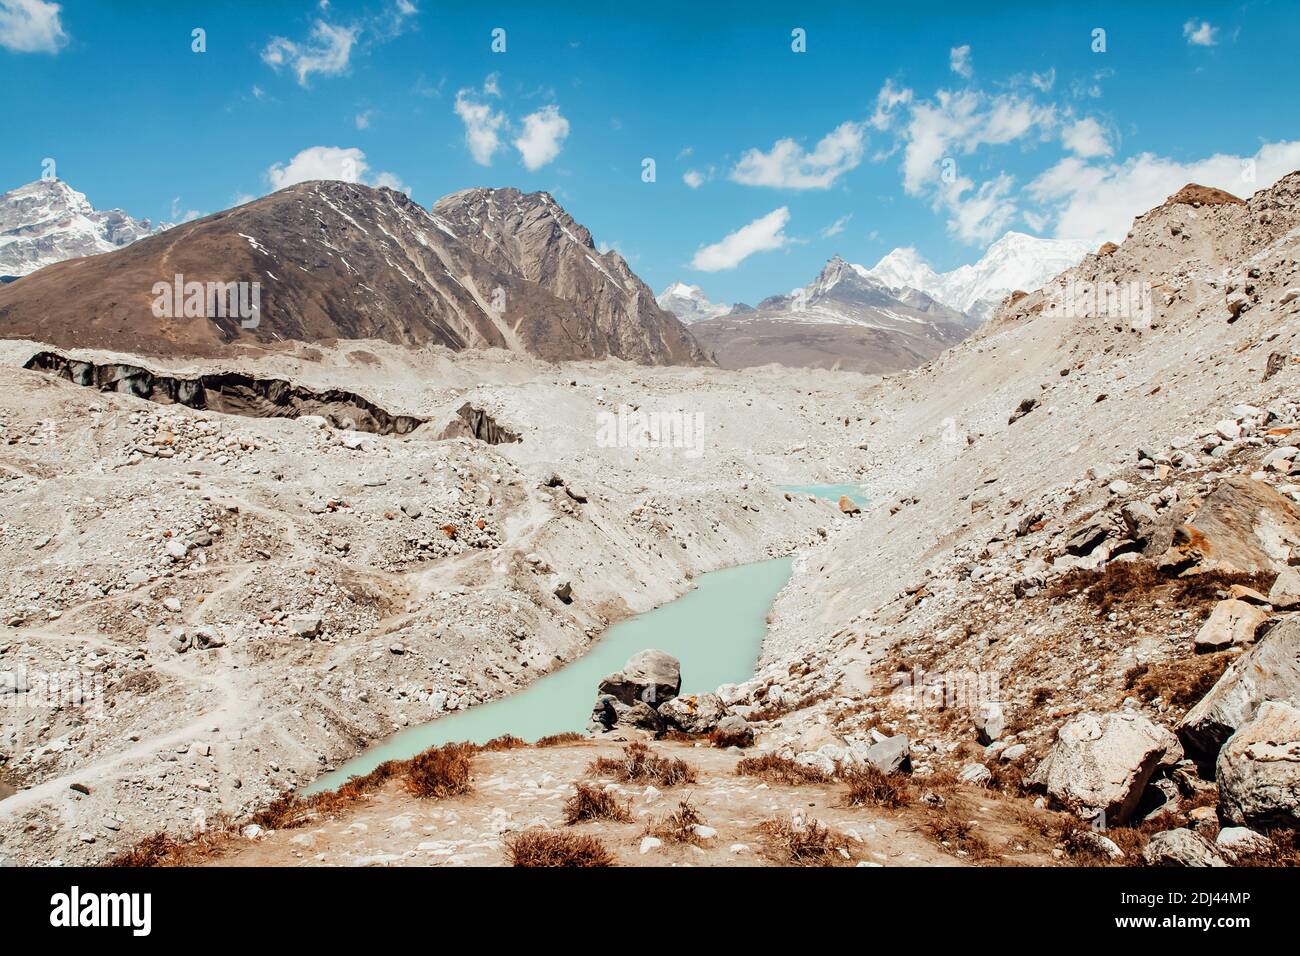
{"x": 715, "y": 630}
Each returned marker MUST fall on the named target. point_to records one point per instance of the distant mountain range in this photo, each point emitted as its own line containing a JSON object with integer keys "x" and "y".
{"x": 48, "y": 221}
{"x": 898, "y": 314}
{"x": 333, "y": 260}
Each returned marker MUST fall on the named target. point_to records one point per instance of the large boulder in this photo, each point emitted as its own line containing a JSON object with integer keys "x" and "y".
{"x": 1244, "y": 525}
{"x": 1181, "y": 847}
{"x": 650, "y": 676}
{"x": 1268, "y": 671}
{"x": 891, "y": 755}
{"x": 1258, "y": 769}
{"x": 694, "y": 713}
{"x": 1231, "y": 623}
{"x": 1101, "y": 763}
{"x": 1285, "y": 592}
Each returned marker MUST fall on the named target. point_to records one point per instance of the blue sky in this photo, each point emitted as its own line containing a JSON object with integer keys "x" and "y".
{"x": 937, "y": 126}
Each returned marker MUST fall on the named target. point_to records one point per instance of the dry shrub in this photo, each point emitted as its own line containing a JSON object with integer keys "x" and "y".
{"x": 723, "y": 740}
{"x": 559, "y": 740}
{"x": 774, "y": 768}
{"x": 639, "y": 763}
{"x": 1181, "y": 682}
{"x": 588, "y": 803}
{"x": 1121, "y": 582}
{"x": 441, "y": 771}
{"x": 804, "y": 843}
{"x": 678, "y": 826}
{"x": 504, "y": 742}
{"x": 870, "y": 787}
{"x": 554, "y": 848}
{"x": 1007, "y": 778}
{"x": 162, "y": 849}
{"x": 958, "y": 835}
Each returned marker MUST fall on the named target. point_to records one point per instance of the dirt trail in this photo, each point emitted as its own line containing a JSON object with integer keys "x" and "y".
{"x": 528, "y": 787}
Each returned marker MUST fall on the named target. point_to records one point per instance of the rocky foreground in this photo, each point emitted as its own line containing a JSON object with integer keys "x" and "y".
{"x": 1071, "y": 599}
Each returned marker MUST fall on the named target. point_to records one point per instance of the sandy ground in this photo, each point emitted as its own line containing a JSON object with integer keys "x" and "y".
{"x": 518, "y": 789}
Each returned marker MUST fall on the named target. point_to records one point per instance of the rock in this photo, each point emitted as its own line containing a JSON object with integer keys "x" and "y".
{"x": 564, "y": 591}
{"x": 848, "y": 506}
{"x": 80, "y": 788}
{"x": 1100, "y": 844}
{"x": 1258, "y": 769}
{"x": 990, "y": 722}
{"x": 180, "y": 642}
{"x": 1239, "y": 592}
{"x": 137, "y": 577}
{"x": 1139, "y": 517}
{"x": 891, "y": 755}
{"x": 172, "y": 604}
{"x": 411, "y": 508}
{"x": 976, "y": 774}
{"x": 1181, "y": 847}
{"x": 1285, "y": 592}
{"x": 397, "y": 648}
{"x": 817, "y": 761}
{"x": 205, "y": 638}
{"x": 176, "y": 548}
{"x": 651, "y": 676}
{"x": 1101, "y": 763}
{"x": 1231, "y": 623}
{"x": 736, "y": 729}
{"x": 1013, "y": 754}
{"x": 705, "y": 832}
{"x": 1268, "y": 671}
{"x": 695, "y": 713}
{"x": 1234, "y": 842}
{"x": 576, "y": 492}
{"x": 1228, "y": 429}
{"x": 1082, "y": 542}
{"x": 1244, "y": 525}
{"x": 305, "y": 625}
{"x": 253, "y": 831}
{"x": 1119, "y": 487}
{"x": 650, "y": 843}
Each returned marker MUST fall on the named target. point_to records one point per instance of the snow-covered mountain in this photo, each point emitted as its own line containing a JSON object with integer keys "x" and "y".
{"x": 689, "y": 303}
{"x": 48, "y": 221}
{"x": 1015, "y": 262}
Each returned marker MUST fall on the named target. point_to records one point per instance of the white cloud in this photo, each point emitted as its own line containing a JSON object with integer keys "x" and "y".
{"x": 1200, "y": 34}
{"x": 835, "y": 228}
{"x": 542, "y": 138}
{"x": 693, "y": 178}
{"x": 983, "y": 215}
{"x": 788, "y": 166}
{"x": 1097, "y": 202}
{"x": 959, "y": 61}
{"x": 761, "y": 235}
{"x": 31, "y": 26}
{"x": 482, "y": 123}
{"x": 887, "y": 100}
{"x": 1043, "y": 82}
{"x": 362, "y": 120}
{"x": 329, "y": 162}
{"x": 1086, "y": 138}
{"x": 961, "y": 122}
{"x": 179, "y": 214}
{"x": 327, "y": 52}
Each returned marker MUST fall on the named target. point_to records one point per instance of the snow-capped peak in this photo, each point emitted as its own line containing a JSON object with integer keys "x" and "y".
{"x": 689, "y": 303}
{"x": 47, "y": 221}
{"x": 1016, "y": 261}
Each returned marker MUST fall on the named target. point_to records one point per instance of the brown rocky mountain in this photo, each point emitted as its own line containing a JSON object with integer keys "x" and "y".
{"x": 339, "y": 260}
{"x": 532, "y": 237}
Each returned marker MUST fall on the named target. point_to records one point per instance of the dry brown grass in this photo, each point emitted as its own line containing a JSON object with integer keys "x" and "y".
{"x": 958, "y": 834}
{"x": 1122, "y": 582}
{"x": 559, "y": 740}
{"x": 809, "y": 844}
{"x": 870, "y": 787}
{"x": 441, "y": 771}
{"x": 722, "y": 740}
{"x": 504, "y": 742}
{"x": 539, "y": 847}
{"x": 588, "y": 803}
{"x": 638, "y": 763}
{"x": 679, "y": 825}
{"x": 1181, "y": 682}
{"x": 774, "y": 768}
{"x": 1284, "y": 851}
